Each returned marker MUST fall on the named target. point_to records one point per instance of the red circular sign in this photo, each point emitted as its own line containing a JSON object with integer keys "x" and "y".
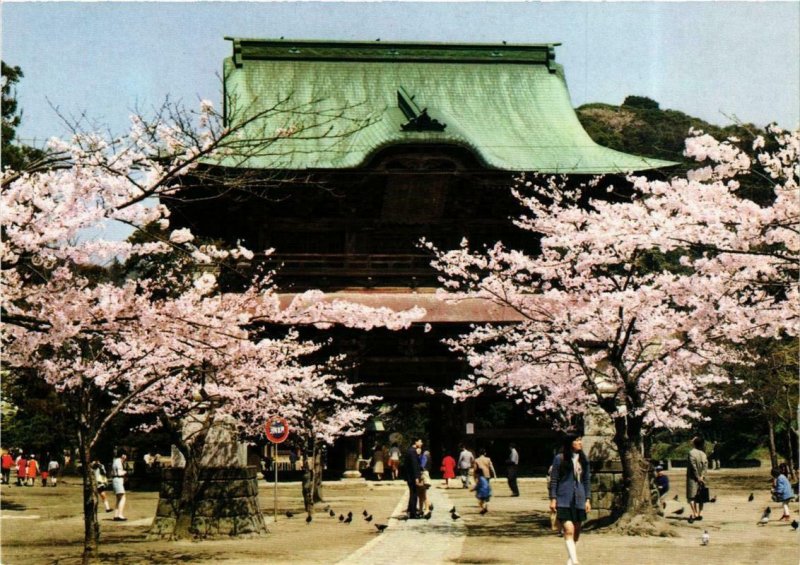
{"x": 277, "y": 429}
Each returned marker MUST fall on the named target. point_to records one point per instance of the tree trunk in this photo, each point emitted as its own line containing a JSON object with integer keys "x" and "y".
{"x": 308, "y": 482}
{"x": 635, "y": 469}
{"x": 790, "y": 452}
{"x": 317, "y": 462}
{"x": 773, "y": 451}
{"x": 91, "y": 526}
{"x": 193, "y": 453}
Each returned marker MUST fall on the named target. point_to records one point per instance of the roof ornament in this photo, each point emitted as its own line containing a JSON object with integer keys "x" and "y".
{"x": 418, "y": 118}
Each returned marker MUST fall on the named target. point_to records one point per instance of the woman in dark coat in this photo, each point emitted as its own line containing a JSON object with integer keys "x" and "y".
{"x": 570, "y": 491}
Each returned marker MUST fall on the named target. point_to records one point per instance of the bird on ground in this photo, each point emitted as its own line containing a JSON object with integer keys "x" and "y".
{"x": 676, "y": 498}
{"x": 795, "y": 524}
{"x": 454, "y": 516}
{"x": 348, "y": 519}
{"x": 751, "y": 497}
{"x": 341, "y": 517}
{"x": 327, "y": 507}
{"x": 289, "y": 514}
{"x": 368, "y": 518}
{"x": 767, "y": 511}
{"x": 452, "y": 510}
{"x": 765, "y": 516}
{"x": 364, "y": 513}
{"x": 679, "y": 511}
{"x": 704, "y": 539}
{"x": 381, "y": 527}
{"x": 712, "y": 500}
{"x": 308, "y": 519}
{"x": 331, "y": 513}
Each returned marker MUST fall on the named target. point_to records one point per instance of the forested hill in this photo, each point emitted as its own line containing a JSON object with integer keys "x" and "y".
{"x": 640, "y": 127}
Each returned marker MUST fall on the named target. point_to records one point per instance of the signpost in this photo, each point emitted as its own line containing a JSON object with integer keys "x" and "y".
{"x": 277, "y": 432}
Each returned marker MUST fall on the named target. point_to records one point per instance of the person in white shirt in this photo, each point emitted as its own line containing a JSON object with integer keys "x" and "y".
{"x": 118, "y": 473}
{"x": 465, "y": 462}
{"x": 512, "y": 463}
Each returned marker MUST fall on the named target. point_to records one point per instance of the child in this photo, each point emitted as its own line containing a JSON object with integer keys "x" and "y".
{"x": 483, "y": 491}
{"x": 662, "y": 484}
{"x": 782, "y": 492}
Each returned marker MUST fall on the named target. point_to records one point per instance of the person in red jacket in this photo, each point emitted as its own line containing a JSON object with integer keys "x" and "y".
{"x": 33, "y": 470}
{"x": 6, "y": 462}
{"x": 448, "y": 469}
{"x": 22, "y": 470}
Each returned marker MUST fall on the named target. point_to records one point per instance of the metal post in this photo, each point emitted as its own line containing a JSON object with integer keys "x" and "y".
{"x": 275, "y": 464}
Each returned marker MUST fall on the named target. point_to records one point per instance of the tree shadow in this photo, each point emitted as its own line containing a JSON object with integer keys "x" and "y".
{"x": 11, "y": 505}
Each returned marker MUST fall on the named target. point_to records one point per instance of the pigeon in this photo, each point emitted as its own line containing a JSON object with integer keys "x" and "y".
{"x": 767, "y": 511}
{"x": 794, "y": 524}
{"x": 751, "y": 497}
{"x": 381, "y": 527}
{"x": 704, "y": 538}
{"x": 289, "y": 514}
{"x": 676, "y": 498}
{"x": 368, "y": 518}
{"x": 712, "y": 500}
{"x": 765, "y": 516}
{"x": 331, "y": 513}
{"x": 308, "y": 519}
{"x": 348, "y": 519}
{"x": 341, "y": 517}
{"x": 452, "y": 510}
{"x": 679, "y": 511}
{"x": 365, "y": 513}
{"x": 454, "y": 516}
{"x": 327, "y": 507}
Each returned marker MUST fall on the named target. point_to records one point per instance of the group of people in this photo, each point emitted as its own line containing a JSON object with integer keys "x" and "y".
{"x": 416, "y": 468}
{"x": 118, "y": 474}
{"x": 28, "y": 469}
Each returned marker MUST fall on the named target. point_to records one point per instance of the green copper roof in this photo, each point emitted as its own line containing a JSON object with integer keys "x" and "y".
{"x": 338, "y": 103}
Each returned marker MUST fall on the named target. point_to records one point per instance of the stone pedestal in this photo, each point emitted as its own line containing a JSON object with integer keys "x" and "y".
{"x": 607, "y": 486}
{"x": 226, "y": 501}
{"x": 352, "y": 458}
{"x": 227, "y": 505}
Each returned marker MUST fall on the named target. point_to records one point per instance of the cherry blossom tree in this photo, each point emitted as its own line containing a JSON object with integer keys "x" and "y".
{"x": 143, "y": 344}
{"x": 606, "y": 322}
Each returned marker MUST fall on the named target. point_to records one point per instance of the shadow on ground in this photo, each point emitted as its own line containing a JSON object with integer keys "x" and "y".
{"x": 11, "y": 505}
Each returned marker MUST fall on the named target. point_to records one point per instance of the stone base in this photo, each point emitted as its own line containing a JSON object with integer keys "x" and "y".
{"x": 227, "y": 505}
{"x": 352, "y": 474}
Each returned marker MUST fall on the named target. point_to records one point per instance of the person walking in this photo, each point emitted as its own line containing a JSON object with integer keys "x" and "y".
{"x": 33, "y": 470}
{"x": 512, "y": 463}
{"x": 394, "y": 460}
{"x": 696, "y": 469}
{"x": 412, "y": 473}
{"x": 53, "y": 468}
{"x": 22, "y": 469}
{"x": 118, "y": 473}
{"x": 483, "y": 490}
{"x": 448, "y": 469}
{"x": 782, "y": 492}
{"x": 425, "y": 483}
{"x": 101, "y": 482}
{"x": 570, "y": 491}
{"x": 465, "y": 462}
{"x": 377, "y": 462}
{"x": 6, "y": 462}
{"x": 484, "y": 463}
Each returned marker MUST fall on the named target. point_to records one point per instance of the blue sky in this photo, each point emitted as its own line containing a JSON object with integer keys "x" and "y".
{"x": 715, "y": 60}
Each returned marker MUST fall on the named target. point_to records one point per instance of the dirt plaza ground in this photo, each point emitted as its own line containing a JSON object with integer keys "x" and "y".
{"x": 44, "y": 525}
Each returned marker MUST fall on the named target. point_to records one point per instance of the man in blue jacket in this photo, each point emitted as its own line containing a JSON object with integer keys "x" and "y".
{"x": 413, "y": 475}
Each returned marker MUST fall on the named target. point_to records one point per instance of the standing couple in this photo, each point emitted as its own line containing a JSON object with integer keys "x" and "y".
{"x": 417, "y": 468}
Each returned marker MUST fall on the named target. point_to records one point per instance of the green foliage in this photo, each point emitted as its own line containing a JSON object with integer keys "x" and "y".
{"x": 33, "y": 417}
{"x": 14, "y": 155}
{"x": 642, "y": 102}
